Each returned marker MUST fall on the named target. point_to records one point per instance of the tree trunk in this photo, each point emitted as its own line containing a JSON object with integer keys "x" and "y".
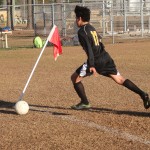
{"x": 8, "y": 13}
{"x": 59, "y": 1}
{"x": 30, "y": 14}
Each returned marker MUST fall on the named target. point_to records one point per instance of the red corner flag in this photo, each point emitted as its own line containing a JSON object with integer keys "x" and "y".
{"x": 55, "y": 39}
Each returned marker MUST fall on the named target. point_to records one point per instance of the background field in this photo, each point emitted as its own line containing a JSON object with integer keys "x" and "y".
{"x": 116, "y": 121}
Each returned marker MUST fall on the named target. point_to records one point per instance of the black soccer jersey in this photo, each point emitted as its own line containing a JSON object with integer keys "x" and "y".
{"x": 97, "y": 56}
{"x": 89, "y": 40}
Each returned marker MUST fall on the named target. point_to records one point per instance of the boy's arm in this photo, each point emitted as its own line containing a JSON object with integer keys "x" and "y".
{"x": 93, "y": 70}
{"x": 88, "y": 49}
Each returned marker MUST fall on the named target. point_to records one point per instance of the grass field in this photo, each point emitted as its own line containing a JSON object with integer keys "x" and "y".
{"x": 116, "y": 121}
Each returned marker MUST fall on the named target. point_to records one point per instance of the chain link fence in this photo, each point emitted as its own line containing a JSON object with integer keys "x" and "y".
{"x": 114, "y": 20}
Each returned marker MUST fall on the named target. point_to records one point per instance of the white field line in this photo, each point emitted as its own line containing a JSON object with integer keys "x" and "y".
{"x": 114, "y": 132}
{"x": 118, "y": 133}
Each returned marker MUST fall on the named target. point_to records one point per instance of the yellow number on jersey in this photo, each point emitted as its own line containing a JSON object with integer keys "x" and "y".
{"x": 95, "y": 37}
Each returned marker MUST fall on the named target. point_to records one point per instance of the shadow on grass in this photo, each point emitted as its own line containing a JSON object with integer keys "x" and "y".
{"x": 105, "y": 110}
{"x": 9, "y": 105}
{"x": 5, "y": 104}
{"x": 51, "y": 112}
{"x": 120, "y": 112}
{"x": 40, "y": 108}
{"x": 53, "y": 107}
{"x": 10, "y": 108}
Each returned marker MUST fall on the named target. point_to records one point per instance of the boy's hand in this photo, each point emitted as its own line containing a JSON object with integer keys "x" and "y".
{"x": 92, "y": 69}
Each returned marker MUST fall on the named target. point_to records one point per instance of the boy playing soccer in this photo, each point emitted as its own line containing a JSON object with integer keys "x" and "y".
{"x": 98, "y": 61}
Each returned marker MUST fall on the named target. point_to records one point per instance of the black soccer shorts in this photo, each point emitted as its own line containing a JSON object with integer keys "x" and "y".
{"x": 104, "y": 66}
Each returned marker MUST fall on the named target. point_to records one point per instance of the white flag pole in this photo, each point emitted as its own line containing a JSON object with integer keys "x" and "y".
{"x": 49, "y": 37}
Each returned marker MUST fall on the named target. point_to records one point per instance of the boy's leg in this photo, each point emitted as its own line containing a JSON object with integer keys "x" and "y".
{"x": 79, "y": 88}
{"x": 145, "y": 97}
{"x": 131, "y": 86}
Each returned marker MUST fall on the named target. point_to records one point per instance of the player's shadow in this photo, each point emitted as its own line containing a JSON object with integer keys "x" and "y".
{"x": 42, "y": 108}
{"x": 52, "y": 107}
{"x": 104, "y": 110}
{"x": 120, "y": 112}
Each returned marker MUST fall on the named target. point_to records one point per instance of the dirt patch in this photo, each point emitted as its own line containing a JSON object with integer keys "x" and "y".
{"x": 117, "y": 119}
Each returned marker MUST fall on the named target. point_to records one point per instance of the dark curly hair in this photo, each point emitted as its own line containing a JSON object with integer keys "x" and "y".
{"x": 82, "y": 12}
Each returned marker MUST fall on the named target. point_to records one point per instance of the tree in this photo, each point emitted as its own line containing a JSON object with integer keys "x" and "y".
{"x": 29, "y": 14}
{"x": 8, "y": 12}
{"x": 1, "y": 2}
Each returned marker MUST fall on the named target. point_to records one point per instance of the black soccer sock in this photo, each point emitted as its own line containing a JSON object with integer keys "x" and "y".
{"x": 131, "y": 86}
{"x": 79, "y": 88}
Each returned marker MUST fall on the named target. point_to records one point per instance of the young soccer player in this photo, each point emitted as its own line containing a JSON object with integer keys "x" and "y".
{"x": 98, "y": 61}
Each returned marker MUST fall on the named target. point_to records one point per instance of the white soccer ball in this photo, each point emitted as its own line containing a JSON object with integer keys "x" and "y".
{"x": 21, "y": 107}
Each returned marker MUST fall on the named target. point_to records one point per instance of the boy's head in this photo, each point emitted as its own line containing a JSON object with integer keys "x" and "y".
{"x": 82, "y": 13}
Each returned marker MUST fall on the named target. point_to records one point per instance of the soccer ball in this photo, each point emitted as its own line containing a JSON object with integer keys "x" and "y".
{"x": 21, "y": 107}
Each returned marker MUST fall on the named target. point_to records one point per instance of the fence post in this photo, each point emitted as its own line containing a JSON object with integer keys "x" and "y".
{"x": 44, "y": 22}
{"x": 103, "y": 18}
{"x": 112, "y": 23}
{"x": 125, "y": 17}
{"x": 142, "y": 21}
{"x": 53, "y": 16}
{"x": 64, "y": 19}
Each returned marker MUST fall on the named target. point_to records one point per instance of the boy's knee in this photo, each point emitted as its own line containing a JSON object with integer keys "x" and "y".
{"x": 120, "y": 81}
{"x": 73, "y": 77}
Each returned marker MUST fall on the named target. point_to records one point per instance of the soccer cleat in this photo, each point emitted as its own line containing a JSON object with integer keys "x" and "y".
{"x": 81, "y": 106}
{"x": 146, "y": 100}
